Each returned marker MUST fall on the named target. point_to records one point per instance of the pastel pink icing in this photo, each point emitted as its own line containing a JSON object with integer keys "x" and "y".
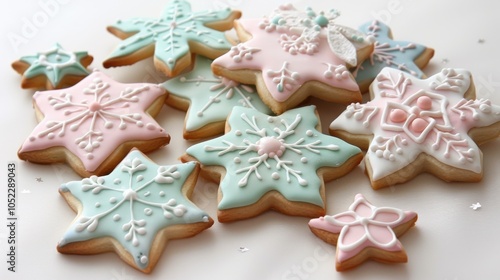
{"x": 263, "y": 52}
{"x": 363, "y": 226}
{"x": 94, "y": 117}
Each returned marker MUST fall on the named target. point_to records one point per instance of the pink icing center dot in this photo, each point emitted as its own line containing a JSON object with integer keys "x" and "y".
{"x": 418, "y": 125}
{"x": 398, "y": 116}
{"x": 424, "y": 102}
{"x": 95, "y": 107}
{"x": 270, "y": 146}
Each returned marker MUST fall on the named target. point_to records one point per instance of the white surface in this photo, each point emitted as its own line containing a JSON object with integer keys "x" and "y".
{"x": 450, "y": 240}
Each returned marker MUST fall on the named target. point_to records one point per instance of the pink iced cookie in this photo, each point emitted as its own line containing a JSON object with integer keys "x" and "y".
{"x": 365, "y": 232}
{"x": 292, "y": 55}
{"x": 412, "y": 126}
{"x": 94, "y": 124}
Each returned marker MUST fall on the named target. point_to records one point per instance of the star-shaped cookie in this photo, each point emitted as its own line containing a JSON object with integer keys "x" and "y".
{"x": 365, "y": 232}
{"x": 265, "y": 162}
{"x": 210, "y": 99}
{"x": 134, "y": 211}
{"x": 412, "y": 126}
{"x": 172, "y": 37}
{"x": 52, "y": 69}
{"x": 406, "y": 56}
{"x": 293, "y": 55}
{"x": 94, "y": 124}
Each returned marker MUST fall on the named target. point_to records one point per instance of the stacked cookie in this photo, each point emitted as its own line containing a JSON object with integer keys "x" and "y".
{"x": 273, "y": 154}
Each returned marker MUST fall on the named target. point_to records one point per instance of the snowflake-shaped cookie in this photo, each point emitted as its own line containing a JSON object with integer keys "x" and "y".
{"x": 135, "y": 210}
{"x": 172, "y": 37}
{"x": 365, "y": 232}
{"x": 53, "y": 69}
{"x": 293, "y": 55}
{"x": 273, "y": 163}
{"x": 415, "y": 126}
{"x": 406, "y": 56}
{"x": 93, "y": 124}
{"x": 210, "y": 99}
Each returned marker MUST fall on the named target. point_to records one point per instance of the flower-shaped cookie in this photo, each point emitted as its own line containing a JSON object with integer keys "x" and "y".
{"x": 365, "y": 232}
{"x": 412, "y": 126}
{"x": 406, "y": 56}
{"x": 271, "y": 162}
{"x": 93, "y": 124}
{"x": 293, "y": 55}
{"x": 172, "y": 37}
{"x": 53, "y": 69}
{"x": 210, "y": 99}
{"x": 133, "y": 211}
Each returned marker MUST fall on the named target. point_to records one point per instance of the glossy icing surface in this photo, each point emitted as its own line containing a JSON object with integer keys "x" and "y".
{"x": 132, "y": 204}
{"x": 387, "y": 53}
{"x": 364, "y": 225}
{"x": 408, "y": 116}
{"x": 55, "y": 64}
{"x": 290, "y": 54}
{"x": 172, "y": 32}
{"x": 211, "y": 97}
{"x": 95, "y": 116}
{"x": 262, "y": 153}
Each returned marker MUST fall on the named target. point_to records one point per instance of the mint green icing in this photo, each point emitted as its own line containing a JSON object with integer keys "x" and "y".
{"x": 172, "y": 32}
{"x": 55, "y": 64}
{"x": 388, "y": 53}
{"x": 211, "y": 97}
{"x": 133, "y": 203}
{"x": 251, "y": 169}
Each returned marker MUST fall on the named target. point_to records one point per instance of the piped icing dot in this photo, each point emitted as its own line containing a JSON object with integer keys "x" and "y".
{"x": 418, "y": 125}
{"x": 271, "y": 146}
{"x": 397, "y": 116}
{"x": 321, "y": 20}
{"x": 144, "y": 259}
{"x": 94, "y": 106}
{"x": 424, "y": 102}
{"x": 129, "y": 194}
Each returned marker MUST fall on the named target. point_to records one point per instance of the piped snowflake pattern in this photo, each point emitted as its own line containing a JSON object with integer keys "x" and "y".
{"x": 172, "y": 33}
{"x": 132, "y": 205}
{"x": 211, "y": 97}
{"x": 55, "y": 64}
{"x": 302, "y": 31}
{"x": 283, "y": 71}
{"x": 387, "y": 53}
{"x": 83, "y": 117}
{"x": 263, "y": 153}
{"x": 408, "y": 116}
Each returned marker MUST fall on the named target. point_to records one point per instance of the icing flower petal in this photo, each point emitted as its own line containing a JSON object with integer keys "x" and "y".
{"x": 382, "y": 236}
{"x": 351, "y": 237}
{"x": 353, "y": 233}
{"x": 387, "y": 216}
{"x": 342, "y": 219}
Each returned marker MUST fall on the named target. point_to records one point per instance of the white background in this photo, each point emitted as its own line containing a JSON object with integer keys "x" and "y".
{"x": 450, "y": 240}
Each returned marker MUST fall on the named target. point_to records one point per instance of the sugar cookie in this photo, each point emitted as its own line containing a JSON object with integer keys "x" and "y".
{"x": 53, "y": 69}
{"x": 93, "y": 124}
{"x": 413, "y": 126}
{"x": 265, "y": 162}
{"x": 365, "y": 232}
{"x": 172, "y": 37}
{"x": 134, "y": 211}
